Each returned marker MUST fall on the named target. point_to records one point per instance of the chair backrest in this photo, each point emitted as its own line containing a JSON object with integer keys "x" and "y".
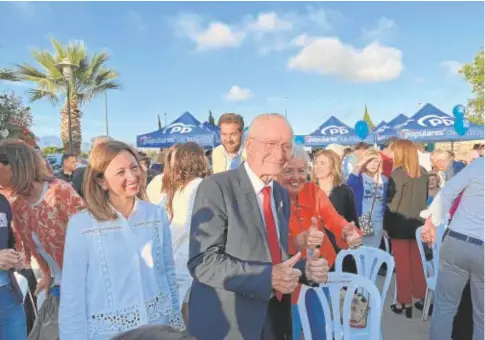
{"x": 23, "y": 284}
{"x": 430, "y": 268}
{"x": 340, "y": 329}
{"x": 369, "y": 260}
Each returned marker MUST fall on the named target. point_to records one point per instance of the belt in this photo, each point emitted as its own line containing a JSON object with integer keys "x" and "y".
{"x": 465, "y": 238}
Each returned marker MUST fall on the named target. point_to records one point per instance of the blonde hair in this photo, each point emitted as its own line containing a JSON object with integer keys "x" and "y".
{"x": 26, "y": 164}
{"x": 336, "y": 167}
{"x": 406, "y": 156}
{"x": 99, "y": 159}
{"x": 372, "y": 153}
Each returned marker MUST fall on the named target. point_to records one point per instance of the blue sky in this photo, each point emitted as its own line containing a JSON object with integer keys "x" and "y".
{"x": 327, "y": 58}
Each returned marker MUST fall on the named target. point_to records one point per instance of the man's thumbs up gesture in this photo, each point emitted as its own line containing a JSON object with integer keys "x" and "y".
{"x": 317, "y": 268}
{"x": 284, "y": 278}
{"x": 313, "y": 237}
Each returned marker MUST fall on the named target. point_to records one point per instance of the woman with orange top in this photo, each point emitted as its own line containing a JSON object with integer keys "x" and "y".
{"x": 310, "y": 211}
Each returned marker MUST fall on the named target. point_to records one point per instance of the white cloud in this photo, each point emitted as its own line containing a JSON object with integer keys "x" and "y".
{"x": 270, "y": 21}
{"x": 215, "y": 35}
{"x": 329, "y": 56}
{"x": 237, "y": 93}
{"x": 451, "y": 66}
{"x": 218, "y": 35}
{"x": 383, "y": 28}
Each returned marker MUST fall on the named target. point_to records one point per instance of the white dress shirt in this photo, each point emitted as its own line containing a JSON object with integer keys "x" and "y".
{"x": 468, "y": 218}
{"x": 258, "y": 186}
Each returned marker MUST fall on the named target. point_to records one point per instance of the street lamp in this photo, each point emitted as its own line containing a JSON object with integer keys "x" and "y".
{"x": 67, "y": 68}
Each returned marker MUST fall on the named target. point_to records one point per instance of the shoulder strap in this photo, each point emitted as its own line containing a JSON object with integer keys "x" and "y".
{"x": 374, "y": 196}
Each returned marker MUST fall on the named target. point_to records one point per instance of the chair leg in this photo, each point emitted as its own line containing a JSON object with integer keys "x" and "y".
{"x": 426, "y": 305}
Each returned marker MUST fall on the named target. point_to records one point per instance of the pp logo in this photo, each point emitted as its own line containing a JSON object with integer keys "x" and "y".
{"x": 334, "y": 130}
{"x": 434, "y": 121}
{"x": 143, "y": 140}
{"x": 178, "y": 128}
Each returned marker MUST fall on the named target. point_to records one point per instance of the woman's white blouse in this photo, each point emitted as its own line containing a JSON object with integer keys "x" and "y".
{"x": 183, "y": 204}
{"x": 118, "y": 275}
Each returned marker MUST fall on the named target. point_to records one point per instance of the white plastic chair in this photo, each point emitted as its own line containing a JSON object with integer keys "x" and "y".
{"x": 336, "y": 329}
{"x": 369, "y": 260}
{"x": 430, "y": 268}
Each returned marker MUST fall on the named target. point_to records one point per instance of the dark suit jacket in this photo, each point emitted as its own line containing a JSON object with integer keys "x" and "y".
{"x": 229, "y": 258}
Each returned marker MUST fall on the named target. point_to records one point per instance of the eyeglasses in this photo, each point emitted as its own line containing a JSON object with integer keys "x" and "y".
{"x": 270, "y": 146}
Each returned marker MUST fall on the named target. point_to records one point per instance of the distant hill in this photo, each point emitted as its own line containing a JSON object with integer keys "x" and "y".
{"x": 57, "y": 142}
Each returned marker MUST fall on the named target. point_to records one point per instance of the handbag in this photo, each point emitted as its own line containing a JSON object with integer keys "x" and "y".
{"x": 365, "y": 221}
{"x": 359, "y": 309}
{"x": 46, "y": 326}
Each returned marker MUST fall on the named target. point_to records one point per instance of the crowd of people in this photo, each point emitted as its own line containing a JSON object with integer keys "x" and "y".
{"x": 216, "y": 246}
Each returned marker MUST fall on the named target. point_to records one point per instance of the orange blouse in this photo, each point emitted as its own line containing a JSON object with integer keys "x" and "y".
{"x": 313, "y": 202}
{"x": 48, "y": 220}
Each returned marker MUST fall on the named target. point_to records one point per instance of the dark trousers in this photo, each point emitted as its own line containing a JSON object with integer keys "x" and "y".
{"x": 463, "y": 323}
{"x": 277, "y": 325}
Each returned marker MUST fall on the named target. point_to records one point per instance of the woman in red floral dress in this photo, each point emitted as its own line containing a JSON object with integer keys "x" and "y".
{"x": 41, "y": 207}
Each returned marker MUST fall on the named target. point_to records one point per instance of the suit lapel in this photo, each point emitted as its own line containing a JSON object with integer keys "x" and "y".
{"x": 282, "y": 222}
{"x": 252, "y": 202}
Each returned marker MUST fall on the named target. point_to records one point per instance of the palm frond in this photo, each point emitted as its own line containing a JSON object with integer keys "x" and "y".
{"x": 36, "y": 94}
{"x": 6, "y": 74}
{"x": 60, "y": 50}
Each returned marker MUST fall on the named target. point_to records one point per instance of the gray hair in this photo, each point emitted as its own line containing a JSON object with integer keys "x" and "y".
{"x": 300, "y": 153}
{"x": 264, "y": 116}
{"x": 441, "y": 154}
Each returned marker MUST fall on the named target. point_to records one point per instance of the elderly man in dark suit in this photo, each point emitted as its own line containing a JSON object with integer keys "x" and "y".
{"x": 239, "y": 245}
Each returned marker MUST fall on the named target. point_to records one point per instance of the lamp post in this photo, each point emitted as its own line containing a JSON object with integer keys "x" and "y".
{"x": 67, "y": 68}
{"x": 165, "y": 114}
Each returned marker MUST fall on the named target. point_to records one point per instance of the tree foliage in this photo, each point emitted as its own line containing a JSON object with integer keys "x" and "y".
{"x": 51, "y": 150}
{"x": 211, "y": 120}
{"x": 91, "y": 79}
{"x": 15, "y": 118}
{"x": 473, "y": 74}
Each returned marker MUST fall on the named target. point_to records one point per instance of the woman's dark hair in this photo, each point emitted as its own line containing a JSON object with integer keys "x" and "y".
{"x": 190, "y": 163}
{"x": 150, "y": 332}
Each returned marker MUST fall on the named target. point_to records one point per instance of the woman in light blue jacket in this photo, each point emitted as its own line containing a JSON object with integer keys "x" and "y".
{"x": 119, "y": 271}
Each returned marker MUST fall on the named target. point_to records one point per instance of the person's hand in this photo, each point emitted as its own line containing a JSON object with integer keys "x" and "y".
{"x": 9, "y": 259}
{"x": 43, "y": 284}
{"x": 313, "y": 236}
{"x": 428, "y": 233}
{"x": 352, "y": 235}
{"x": 317, "y": 268}
{"x": 21, "y": 263}
{"x": 284, "y": 278}
{"x": 363, "y": 161}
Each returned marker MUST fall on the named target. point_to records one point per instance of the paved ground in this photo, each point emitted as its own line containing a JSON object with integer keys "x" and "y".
{"x": 398, "y": 327}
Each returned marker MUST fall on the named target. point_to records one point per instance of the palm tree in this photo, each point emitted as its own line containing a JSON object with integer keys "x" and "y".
{"x": 91, "y": 79}
{"x": 6, "y": 74}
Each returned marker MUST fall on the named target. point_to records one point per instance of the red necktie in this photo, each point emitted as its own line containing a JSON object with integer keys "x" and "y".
{"x": 274, "y": 246}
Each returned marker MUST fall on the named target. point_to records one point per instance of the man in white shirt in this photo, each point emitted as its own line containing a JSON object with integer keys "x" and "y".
{"x": 424, "y": 157}
{"x": 461, "y": 253}
{"x": 229, "y": 155}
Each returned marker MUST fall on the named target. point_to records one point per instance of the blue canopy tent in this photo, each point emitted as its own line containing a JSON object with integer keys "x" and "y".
{"x": 332, "y": 131}
{"x": 399, "y": 119}
{"x": 184, "y": 129}
{"x": 215, "y": 129}
{"x": 430, "y": 124}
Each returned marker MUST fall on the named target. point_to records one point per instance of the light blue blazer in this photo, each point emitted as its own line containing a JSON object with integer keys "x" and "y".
{"x": 118, "y": 275}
